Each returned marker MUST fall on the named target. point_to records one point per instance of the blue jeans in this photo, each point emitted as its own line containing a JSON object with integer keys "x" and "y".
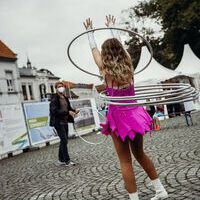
{"x": 62, "y": 131}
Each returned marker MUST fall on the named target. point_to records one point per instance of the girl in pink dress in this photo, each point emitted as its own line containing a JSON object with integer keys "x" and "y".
{"x": 126, "y": 124}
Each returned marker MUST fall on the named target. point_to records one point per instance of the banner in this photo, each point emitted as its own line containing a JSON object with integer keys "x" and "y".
{"x": 88, "y": 118}
{"x": 13, "y": 132}
{"x": 37, "y": 119}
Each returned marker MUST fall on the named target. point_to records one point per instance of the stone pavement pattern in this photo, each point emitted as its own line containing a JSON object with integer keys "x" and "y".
{"x": 175, "y": 151}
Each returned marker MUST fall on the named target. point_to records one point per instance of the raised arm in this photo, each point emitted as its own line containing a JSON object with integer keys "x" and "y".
{"x": 110, "y": 22}
{"x": 95, "y": 52}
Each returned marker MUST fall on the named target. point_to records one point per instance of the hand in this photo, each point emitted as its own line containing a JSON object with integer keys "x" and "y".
{"x": 72, "y": 113}
{"x": 88, "y": 24}
{"x": 110, "y": 21}
{"x": 77, "y": 111}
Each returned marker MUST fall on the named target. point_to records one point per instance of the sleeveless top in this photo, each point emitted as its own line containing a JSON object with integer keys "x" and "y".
{"x": 125, "y": 121}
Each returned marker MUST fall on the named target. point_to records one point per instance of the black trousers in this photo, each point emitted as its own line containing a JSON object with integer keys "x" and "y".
{"x": 187, "y": 117}
{"x": 62, "y": 130}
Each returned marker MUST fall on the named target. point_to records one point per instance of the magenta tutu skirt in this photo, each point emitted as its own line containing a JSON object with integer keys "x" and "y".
{"x": 126, "y": 121}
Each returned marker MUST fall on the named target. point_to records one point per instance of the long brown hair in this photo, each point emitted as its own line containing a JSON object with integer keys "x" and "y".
{"x": 116, "y": 61}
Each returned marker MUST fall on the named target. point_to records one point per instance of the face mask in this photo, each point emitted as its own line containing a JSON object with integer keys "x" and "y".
{"x": 61, "y": 89}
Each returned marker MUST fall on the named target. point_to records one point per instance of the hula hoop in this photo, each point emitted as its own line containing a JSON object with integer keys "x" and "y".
{"x": 182, "y": 87}
{"x": 177, "y": 93}
{"x": 91, "y": 143}
{"x": 98, "y": 29}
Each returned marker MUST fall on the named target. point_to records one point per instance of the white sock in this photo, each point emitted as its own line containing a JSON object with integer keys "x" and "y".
{"x": 133, "y": 196}
{"x": 157, "y": 184}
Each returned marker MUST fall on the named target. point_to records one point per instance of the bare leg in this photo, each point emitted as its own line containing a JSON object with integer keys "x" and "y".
{"x": 124, "y": 154}
{"x": 147, "y": 165}
{"x": 138, "y": 152}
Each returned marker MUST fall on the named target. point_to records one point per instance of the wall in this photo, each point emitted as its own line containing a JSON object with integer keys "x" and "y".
{"x": 12, "y": 97}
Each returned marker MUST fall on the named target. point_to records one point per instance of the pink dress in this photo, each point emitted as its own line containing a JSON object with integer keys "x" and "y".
{"x": 126, "y": 121}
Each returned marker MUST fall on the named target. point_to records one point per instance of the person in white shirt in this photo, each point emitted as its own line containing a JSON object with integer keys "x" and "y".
{"x": 189, "y": 107}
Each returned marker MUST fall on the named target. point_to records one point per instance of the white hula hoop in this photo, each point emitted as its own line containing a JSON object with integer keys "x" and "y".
{"x": 88, "y": 142}
{"x": 108, "y": 28}
{"x": 177, "y": 93}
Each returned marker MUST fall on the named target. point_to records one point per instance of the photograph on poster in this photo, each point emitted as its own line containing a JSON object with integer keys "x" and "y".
{"x": 85, "y": 119}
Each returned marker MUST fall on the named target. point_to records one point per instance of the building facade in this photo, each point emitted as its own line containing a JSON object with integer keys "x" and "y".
{"x": 10, "y": 91}
{"x": 36, "y": 84}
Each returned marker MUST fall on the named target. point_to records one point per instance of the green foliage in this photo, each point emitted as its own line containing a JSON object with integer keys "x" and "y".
{"x": 180, "y": 23}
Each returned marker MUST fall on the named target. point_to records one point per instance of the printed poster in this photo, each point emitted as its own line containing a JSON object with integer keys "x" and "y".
{"x": 37, "y": 119}
{"x": 13, "y": 131}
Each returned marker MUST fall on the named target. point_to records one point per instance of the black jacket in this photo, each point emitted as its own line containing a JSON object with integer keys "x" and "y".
{"x": 56, "y": 114}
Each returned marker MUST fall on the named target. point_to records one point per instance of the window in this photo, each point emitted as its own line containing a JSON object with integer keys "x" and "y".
{"x": 10, "y": 81}
{"x": 24, "y": 92}
{"x": 52, "y": 88}
{"x": 30, "y": 91}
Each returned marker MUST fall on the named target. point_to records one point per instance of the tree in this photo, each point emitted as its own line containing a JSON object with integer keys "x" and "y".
{"x": 179, "y": 22}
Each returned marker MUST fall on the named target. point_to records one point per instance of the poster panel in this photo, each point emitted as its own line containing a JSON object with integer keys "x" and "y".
{"x": 88, "y": 118}
{"x": 13, "y": 131}
{"x": 37, "y": 119}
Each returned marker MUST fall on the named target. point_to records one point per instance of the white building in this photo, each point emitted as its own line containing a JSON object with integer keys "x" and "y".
{"x": 36, "y": 84}
{"x": 10, "y": 91}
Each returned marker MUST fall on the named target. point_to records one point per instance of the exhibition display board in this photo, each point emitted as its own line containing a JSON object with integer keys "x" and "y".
{"x": 37, "y": 119}
{"x": 28, "y": 125}
{"x": 13, "y": 131}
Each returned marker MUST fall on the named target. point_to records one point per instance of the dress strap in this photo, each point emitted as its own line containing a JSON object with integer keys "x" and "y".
{"x": 106, "y": 81}
{"x": 112, "y": 83}
{"x": 112, "y": 87}
{"x": 133, "y": 85}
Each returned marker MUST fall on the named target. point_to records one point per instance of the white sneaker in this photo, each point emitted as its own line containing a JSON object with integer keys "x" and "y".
{"x": 160, "y": 194}
{"x": 61, "y": 163}
{"x": 69, "y": 163}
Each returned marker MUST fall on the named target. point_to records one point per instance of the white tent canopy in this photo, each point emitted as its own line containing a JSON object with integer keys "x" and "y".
{"x": 154, "y": 73}
{"x": 190, "y": 64}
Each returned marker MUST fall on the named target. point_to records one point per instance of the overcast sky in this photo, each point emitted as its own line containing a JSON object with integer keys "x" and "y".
{"x": 42, "y": 29}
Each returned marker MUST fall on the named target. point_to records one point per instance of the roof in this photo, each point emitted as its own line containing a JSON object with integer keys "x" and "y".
{"x": 33, "y": 72}
{"x": 154, "y": 73}
{"x": 84, "y": 86}
{"x": 190, "y": 64}
{"x": 68, "y": 84}
{"x": 100, "y": 88}
{"x": 71, "y": 94}
{"x": 170, "y": 80}
{"x": 54, "y": 77}
{"x": 6, "y": 52}
{"x": 26, "y": 72}
{"x": 78, "y": 85}
{"x": 180, "y": 79}
{"x": 49, "y": 74}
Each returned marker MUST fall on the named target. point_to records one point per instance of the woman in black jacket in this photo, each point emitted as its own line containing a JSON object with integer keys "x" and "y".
{"x": 60, "y": 113}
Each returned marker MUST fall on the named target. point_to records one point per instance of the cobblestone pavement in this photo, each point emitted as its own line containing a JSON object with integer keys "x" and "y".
{"x": 175, "y": 151}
